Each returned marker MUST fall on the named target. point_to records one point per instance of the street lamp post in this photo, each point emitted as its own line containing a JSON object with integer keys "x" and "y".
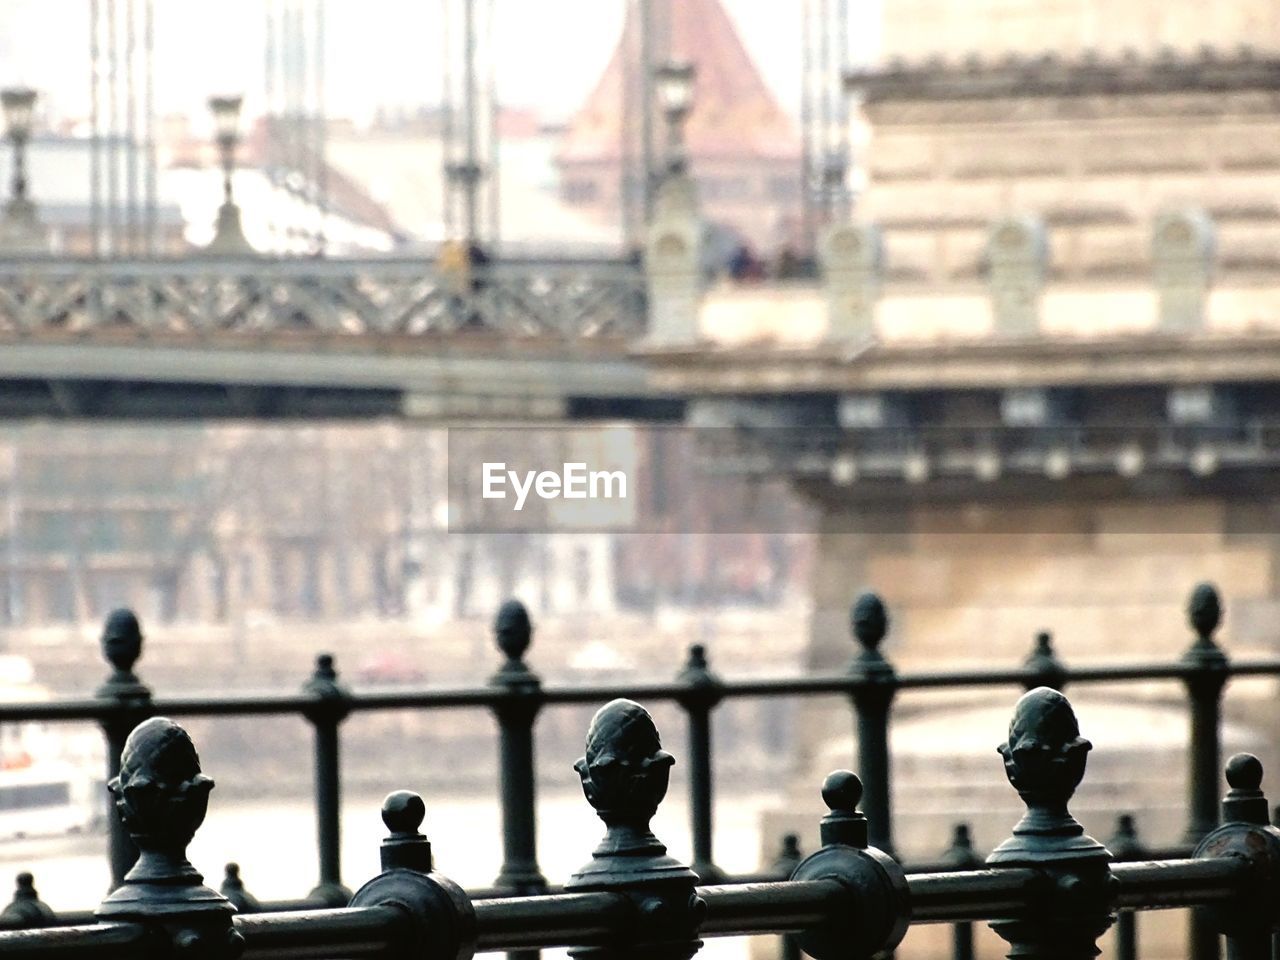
{"x": 673, "y": 82}
{"x": 228, "y": 236}
{"x": 21, "y": 229}
{"x": 835, "y": 170}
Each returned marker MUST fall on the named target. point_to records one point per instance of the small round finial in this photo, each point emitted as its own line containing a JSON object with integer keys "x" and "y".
{"x": 961, "y": 837}
{"x": 1244, "y": 772}
{"x": 331, "y": 704}
{"x": 1204, "y": 610}
{"x": 791, "y": 845}
{"x": 842, "y": 791}
{"x": 122, "y": 639}
{"x": 26, "y": 883}
{"x": 1044, "y": 643}
{"x": 869, "y": 620}
{"x": 512, "y": 629}
{"x": 403, "y": 812}
{"x": 406, "y": 848}
{"x": 697, "y": 656}
{"x": 231, "y": 873}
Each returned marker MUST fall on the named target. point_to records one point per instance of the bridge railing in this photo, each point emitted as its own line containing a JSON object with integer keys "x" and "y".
{"x": 516, "y": 696}
{"x": 379, "y": 296}
{"x": 1049, "y": 890}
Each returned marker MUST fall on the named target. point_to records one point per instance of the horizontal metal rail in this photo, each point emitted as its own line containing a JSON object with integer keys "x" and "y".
{"x": 443, "y": 698}
{"x": 586, "y": 919}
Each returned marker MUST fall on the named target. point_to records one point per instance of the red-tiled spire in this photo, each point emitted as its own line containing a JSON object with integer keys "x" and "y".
{"x": 734, "y": 113}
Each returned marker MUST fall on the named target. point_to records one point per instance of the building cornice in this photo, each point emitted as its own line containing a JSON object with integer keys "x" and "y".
{"x": 1050, "y": 75}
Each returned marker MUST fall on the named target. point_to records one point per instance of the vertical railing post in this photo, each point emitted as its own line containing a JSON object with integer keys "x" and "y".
{"x": 1207, "y": 673}
{"x": 703, "y": 692}
{"x": 131, "y": 702}
{"x": 161, "y": 797}
{"x": 1043, "y": 666}
{"x": 872, "y": 692}
{"x": 1125, "y": 845}
{"x": 329, "y": 707}
{"x": 1044, "y": 759}
{"x": 440, "y": 920}
{"x": 861, "y": 930}
{"x": 625, "y": 774}
{"x": 1246, "y": 835}
{"x": 516, "y": 712}
{"x": 960, "y": 856}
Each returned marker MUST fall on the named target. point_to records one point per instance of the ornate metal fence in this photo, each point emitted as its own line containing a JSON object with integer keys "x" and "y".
{"x": 1049, "y": 890}
{"x": 206, "y": 296}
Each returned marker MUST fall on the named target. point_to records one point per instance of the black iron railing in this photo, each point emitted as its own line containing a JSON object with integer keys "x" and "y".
{"x": 516, "y": 696}
{"x": 1049, "y": 890}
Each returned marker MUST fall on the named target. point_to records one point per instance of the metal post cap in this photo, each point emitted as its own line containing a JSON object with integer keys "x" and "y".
{"x": 842, "y": 792}
{"x": 406, "y": 848}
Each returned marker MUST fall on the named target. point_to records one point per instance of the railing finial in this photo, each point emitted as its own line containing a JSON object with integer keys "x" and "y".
{"x": 233, "y": 888}
{"x": 1245, "y": 801}
{"x": 405, "y": 848}
{"x": 878, "y": 911}
{"x": 162, "y": 797}
{"x": 26, "y": 911}
{"x": 513, "y": 632}
{"x": 122, "y": 647}
{"x": 1044, "y": 759}
{"x": 1246, "y": 834}
{"x": 870, "y": 622}
{"x": 1204, "y": 612}
{"x": 842, "y": 792}
{"x": 625, "y": 773}
{"x": 1043, "y": 663}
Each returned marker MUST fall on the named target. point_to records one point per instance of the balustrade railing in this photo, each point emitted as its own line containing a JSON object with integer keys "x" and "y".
{"x": 385, "y": 296}
{"x": 870, "y": 902}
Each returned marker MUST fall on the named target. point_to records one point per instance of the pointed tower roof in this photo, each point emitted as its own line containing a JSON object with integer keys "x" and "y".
{"x": 734, "y": 113}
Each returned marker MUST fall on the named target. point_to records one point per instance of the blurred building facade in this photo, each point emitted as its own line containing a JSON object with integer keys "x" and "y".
{"x": 336, "y": 523}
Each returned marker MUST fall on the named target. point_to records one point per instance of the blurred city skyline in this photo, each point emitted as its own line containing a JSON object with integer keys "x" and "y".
{"x": 380, "y": 55}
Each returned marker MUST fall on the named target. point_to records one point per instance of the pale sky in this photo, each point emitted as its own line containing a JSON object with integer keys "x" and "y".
{"x": 380, "y": 52}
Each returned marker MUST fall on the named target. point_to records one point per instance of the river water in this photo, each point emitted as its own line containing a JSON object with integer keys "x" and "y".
{"x": 275, "y": 844}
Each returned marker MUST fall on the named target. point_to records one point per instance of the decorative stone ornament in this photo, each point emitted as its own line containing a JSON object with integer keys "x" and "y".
{"x": 161, "y": 796}
{"x": 1044, "y": 759}
{"x": 852, "y": 270}
{"x": 1017, "y": 254}
{"x": 625, "y": 773}
{"x": 1183, "y": 249}
{"x": 878, "y": 901}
